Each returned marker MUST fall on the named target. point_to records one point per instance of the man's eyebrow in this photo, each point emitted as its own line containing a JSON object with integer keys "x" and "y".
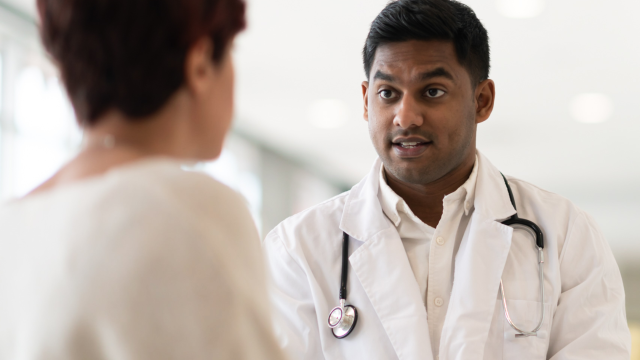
{"x": 382, "y": 76}
{"x": 439, "y": 72}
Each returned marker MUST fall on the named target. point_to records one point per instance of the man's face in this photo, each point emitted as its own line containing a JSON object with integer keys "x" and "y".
{"x": 422, "y": 110}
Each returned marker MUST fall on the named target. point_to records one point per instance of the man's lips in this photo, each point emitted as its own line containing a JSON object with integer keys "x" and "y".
{"x": 409, "y": 139}
{"x": 410, "y": 146}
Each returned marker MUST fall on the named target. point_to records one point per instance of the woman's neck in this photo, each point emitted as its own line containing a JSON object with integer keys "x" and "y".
{"x": 117, "y": 140}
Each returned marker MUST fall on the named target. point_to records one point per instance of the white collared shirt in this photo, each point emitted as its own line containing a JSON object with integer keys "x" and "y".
{"x": 432, "y": 261}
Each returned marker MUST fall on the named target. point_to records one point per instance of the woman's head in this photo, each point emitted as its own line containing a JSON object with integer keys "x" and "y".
{"x": 132, "y": 56}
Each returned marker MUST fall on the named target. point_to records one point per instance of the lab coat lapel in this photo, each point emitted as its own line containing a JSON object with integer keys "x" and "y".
{"x": 479, "y": 265}
{"x": 382, "y": 267}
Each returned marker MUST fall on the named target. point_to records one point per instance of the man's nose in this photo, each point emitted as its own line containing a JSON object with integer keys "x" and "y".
{"x": 408, "y": 113}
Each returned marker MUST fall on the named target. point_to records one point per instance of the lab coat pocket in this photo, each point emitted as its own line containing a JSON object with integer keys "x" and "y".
{"x": 526, "y": 316}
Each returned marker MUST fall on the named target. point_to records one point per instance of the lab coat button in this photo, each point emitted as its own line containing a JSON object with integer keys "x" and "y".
{"x": 440, "y": 241}
{"x": 439, "y": 301}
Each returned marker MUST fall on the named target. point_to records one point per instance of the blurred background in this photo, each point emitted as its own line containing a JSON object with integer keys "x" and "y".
{"x": 566, "y": 116}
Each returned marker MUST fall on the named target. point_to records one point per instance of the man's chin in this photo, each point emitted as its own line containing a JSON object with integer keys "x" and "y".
{"x": 412, "y": 172}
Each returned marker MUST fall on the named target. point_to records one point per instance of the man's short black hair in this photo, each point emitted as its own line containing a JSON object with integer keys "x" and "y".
{"x": 425, "y": 20}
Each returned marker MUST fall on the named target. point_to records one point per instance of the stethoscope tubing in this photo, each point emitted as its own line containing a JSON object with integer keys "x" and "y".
{"x": 345, "y": 266}
{"x": 515, "y": 220}
{"x": 521, "y": 332}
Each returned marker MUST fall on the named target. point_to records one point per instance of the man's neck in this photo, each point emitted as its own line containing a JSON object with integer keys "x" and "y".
{"x": 426, "y": 200}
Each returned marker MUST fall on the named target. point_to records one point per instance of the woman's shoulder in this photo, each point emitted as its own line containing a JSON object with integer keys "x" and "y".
{"x": 155, "y": 193}
{"x": 151, "y": 212}
{"x": 167, "y": 179}
{"x": 174, "y": 196}
{"x": 199, "y": 191}
{"x": 161, "y": 214}
{"x": 155, "y": 186}
{"x": 198, "y": 199}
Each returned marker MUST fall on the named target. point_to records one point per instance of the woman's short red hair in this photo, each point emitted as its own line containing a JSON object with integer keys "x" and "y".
{"x": 129, "y": 54}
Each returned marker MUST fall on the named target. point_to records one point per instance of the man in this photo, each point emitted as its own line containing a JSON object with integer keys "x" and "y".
{"x": 427, "y": 251}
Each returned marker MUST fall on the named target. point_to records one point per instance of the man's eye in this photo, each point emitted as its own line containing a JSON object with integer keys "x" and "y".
{"x": 386, "y": 94}
{"x": 435, "y": 93}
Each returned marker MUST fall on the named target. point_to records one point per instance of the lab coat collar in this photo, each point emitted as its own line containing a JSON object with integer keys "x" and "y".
{"x": 491, "y": 197}
{"x": 363, "y": 216}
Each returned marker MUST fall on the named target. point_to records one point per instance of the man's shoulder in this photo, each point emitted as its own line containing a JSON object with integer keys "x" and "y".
{"x": 534, "y": 194}
{"x": 545, "y": 206}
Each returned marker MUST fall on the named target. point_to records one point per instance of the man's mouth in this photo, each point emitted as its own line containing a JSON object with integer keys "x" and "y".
{"x": 410, "y": 148}
{"x": 411, "y": 145}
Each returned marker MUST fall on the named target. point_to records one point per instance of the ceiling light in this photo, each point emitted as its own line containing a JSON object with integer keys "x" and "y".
{"x": 591, "y": 108}
{"x": 520, "y": 9}
{"x": 328, "y": 113}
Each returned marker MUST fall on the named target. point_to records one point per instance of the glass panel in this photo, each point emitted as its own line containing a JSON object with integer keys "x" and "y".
{"x": 1, "y": 93}
{"x": 46, "y": 135}
{"x": 2, "y": 132}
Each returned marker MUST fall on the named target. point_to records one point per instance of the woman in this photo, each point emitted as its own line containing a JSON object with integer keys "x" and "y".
{"x": 121, "y": 254}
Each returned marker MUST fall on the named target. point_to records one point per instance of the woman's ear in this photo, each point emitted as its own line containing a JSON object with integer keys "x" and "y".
{"x": 199, "y": 67}
{"x": 485, "y": 96}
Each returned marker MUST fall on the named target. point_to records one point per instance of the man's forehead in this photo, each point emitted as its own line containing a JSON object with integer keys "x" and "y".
{"x": 415, "y": 57}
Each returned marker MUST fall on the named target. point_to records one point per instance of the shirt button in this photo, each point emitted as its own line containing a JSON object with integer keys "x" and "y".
{"x": 440, "y": 241}
{"x": 439, "y": 301}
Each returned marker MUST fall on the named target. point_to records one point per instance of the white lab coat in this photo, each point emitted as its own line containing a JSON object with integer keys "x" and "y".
{"x": 584, "y": 304}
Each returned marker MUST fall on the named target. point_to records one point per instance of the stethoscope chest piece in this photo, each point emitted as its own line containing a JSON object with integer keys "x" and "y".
{"x": 342, "y": 320}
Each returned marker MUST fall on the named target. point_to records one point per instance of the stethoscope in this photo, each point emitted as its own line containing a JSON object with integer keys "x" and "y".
{"x": 343, "y": 318}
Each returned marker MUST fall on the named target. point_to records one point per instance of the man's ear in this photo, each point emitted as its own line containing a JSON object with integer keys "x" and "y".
{"x": 365, "y": 99}
{"x": 485, "y": 97}
{"x": 199, "y": 66}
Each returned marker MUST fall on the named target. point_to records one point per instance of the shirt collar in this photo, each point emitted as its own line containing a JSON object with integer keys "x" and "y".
{"x": 469, "y": 187}
{"x": 389, "y": 200}
{"x": 392, "y": 204}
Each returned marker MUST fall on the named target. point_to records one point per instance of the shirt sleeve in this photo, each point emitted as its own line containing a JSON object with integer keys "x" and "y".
{"x": 590, "y": 320}
{"x": 295, "y": 317}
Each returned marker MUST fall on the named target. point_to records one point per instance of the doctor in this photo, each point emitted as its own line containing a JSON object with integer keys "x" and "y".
{"x": 427, "y": 250}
